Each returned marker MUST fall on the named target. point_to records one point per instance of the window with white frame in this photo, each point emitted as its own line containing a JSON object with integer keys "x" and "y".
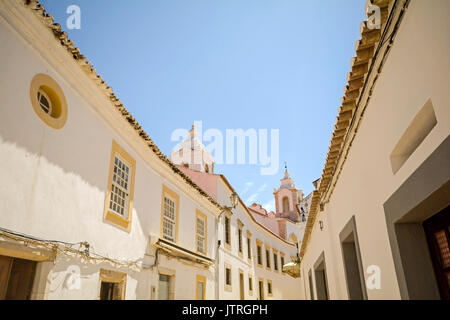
{"x": 201, "y": 234}
{"x": 169, "y": 219}
{"x": 120, "y": 187}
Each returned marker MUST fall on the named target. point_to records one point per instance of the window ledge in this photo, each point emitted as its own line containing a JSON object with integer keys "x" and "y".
{"x": 118, "y": 221}
{"x": 180, "y": 251}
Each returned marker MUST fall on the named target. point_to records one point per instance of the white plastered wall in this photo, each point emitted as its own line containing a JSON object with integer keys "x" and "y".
{"x": 416, "y": 70}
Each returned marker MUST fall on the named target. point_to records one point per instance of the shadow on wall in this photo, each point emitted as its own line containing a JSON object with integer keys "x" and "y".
{"x": 75, "y": 278}
{"x": 53, "y": 203}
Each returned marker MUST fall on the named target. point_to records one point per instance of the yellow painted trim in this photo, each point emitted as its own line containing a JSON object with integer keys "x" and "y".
{"x": 228, "y": 287}
{"x": 166, "y": 191}
{"x": 44, "y": 82}
{"x": 200, "y": 214}
{"x": 201, "y": 279}
{"x": 20, "y": 251}
{"x": 293, "y": 238}
{"x": 167, "y": 271}
{"x": 114, "y": 277}
{"x": 109, "y": 216}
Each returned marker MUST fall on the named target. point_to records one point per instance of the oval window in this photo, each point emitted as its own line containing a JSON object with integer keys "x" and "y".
{"x": 48, "y": 101}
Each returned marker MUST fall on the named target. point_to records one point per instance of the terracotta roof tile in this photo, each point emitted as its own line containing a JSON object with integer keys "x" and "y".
{"x": 365, "y": 50}
{"x": 87, "y": 66}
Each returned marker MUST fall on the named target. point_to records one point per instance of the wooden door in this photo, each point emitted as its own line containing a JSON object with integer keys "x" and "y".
{"x": 111, "y": 291}
{"x": 21, "y": 279}
{"x": 5, "y": 270}
{"x": 107, "y": 291}
{"x": 437, "y": 230}
{"x": 261, "y": 290}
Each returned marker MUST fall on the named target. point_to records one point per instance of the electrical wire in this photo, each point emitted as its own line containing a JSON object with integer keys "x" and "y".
{"x": 84, "y": 249}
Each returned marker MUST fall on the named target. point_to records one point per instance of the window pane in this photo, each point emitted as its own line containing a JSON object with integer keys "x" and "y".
{"x": 259, "y": 254}
{"x": 169, "y": 219}
{"x": 240, "y": 240}
{"x": 119, "y": 188}
{"x": 227, "y": 230}
{"x": 168, "y": 228}
{"x": 201, "y": 291}
{"x": 201, "y": 235}
{"x": 200, "y": 226}
{"x": 44, "y": 103}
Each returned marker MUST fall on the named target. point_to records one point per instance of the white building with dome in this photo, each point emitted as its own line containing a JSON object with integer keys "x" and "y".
{"x": 250, "y": 253}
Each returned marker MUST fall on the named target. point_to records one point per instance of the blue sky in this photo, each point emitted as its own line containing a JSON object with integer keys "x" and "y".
{"x": 262, "y": 64}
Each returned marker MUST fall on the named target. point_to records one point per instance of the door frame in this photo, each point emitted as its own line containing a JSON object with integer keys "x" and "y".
{"x": 261, "y": 289}
{"x": 241, "y": 285}
{"x": 423, "y": 194}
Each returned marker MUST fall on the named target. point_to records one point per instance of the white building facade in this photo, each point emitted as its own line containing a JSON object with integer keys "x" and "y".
{"x": 379, "y": 219}
{"x": 250, "y": 255}
{"x": 90, "y": 208}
